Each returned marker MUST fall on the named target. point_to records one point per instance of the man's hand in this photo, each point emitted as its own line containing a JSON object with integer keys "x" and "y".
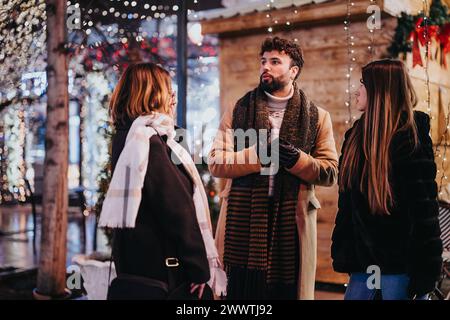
{"x": 288, "y": 154}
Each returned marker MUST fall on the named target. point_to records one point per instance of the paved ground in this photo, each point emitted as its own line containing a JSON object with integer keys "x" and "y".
{"x": 16, "y": 248}
{"x": 16, "y": 236}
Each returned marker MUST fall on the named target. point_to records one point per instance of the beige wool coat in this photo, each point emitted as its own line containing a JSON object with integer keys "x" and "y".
{"x": 317, "y": 168}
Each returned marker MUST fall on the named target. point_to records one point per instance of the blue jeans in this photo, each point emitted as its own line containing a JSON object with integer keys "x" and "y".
{"x": 393, "y": 287}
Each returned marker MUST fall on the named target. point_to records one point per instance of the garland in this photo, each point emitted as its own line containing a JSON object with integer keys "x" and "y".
{"x": 412, "y": 32}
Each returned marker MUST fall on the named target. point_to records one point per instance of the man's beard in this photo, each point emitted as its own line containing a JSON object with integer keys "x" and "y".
{"x": 274, "y": 85}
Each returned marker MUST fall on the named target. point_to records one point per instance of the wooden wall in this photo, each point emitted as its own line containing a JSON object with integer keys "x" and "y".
{"x": 439, "y": 87}
{"x": 323, "y": 78}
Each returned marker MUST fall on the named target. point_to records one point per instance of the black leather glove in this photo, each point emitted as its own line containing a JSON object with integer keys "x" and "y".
{"x": 288, "y": 154}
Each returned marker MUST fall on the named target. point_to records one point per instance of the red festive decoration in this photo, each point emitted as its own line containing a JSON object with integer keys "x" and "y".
{"x": 117, "y": 54}
{"x": 421, "y": 34}
{"x": 444, "y": 40}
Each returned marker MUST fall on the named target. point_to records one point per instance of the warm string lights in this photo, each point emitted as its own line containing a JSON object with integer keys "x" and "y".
{"x": 20, "y": 187}
{"x": 23, "y": 38}
{"x": 103, "y": 27}
{"x": 275, "y": 23}
{"x": 296, "y": 11}
{"x": 351, "y": 60}
{"x": 22, "y": 34}
{"x": 427, "y": 102}
{"x": 443, "y": 140}
{"x": 126, "y": 20}
{"x": 92, "y": 111}
{"x": 141, "y": 12}
{"x": 14, "y": 142}
{"x": 269, "y": 15}
{"x": 371, "y": 46}
{"x": 5, "y": 194}
{"x": 290, "y": 25}
{"x": 427, "y": 58}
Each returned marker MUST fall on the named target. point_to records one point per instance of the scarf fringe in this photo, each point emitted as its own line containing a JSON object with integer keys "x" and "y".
{"x": 121, "y": 205}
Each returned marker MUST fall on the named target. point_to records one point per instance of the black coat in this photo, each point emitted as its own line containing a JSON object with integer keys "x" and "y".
{"x": 166, "y": 217}
{"x": 407, "y": 241}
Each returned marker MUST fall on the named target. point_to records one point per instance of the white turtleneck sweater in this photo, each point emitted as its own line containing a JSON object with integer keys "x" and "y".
{"x": 277, "y": 107}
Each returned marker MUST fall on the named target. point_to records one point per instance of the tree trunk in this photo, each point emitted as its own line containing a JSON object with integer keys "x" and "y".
{"x": 51, "y": 280}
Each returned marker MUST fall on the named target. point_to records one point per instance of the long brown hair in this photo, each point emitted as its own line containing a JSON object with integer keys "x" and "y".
{"x": 390, "y": 98}
{"x": 142, "y": 89}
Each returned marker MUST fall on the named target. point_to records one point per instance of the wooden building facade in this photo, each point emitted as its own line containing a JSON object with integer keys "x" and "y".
{"x": 319, "y": 29}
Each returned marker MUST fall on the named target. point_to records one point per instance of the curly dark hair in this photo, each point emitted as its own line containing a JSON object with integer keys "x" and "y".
{"x": 292, "y": 49}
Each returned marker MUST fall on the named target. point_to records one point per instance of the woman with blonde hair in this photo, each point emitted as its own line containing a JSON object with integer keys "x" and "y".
{"x": 387, "y": 221}
{"x": 163, "y": 246}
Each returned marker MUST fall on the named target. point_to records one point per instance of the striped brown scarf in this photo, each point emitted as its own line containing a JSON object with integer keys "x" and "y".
{"x": 261, "y": 244}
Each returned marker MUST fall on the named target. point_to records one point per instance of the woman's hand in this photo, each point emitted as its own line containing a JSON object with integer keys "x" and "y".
{"x": 200, "y": 287}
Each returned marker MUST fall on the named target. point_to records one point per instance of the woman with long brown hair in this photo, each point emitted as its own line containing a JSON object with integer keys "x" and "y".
{"x": 163, "y": 246}
{"x": 387, "y": 231}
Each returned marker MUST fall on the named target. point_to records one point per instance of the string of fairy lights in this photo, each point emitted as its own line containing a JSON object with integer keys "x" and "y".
{"x": 13, "y": 147}
{"x": 443, "y": 139}
{"x": 442, "y": 156}
{"x": 127, "y": 15}
{"x": 291, "y": 25}
{"x": 371, "y": 46}
{"x": 23, "y": 30}
{"x": 275, "y": 23}
{"x": 269, "y": 15}
{"x": 351, "y": 59}
{"x": 23, "y": 35}
{"x": 427, "y": 60}
{"x": 24, "y": 44}
{"x": 151, "y": 11}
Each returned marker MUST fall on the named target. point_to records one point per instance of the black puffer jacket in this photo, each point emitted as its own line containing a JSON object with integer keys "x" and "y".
{"x": 407, "y": 241}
